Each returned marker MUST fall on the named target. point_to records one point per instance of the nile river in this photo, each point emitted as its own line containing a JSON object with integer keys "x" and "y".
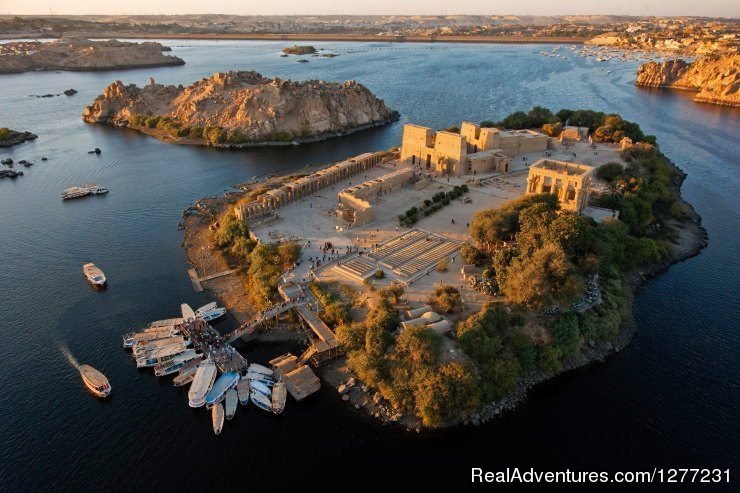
{"x": 672, "y": 399}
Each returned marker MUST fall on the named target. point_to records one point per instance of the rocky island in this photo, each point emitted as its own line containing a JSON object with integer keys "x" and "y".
{"x": 716, "y": 79}
{"x": 238, "y": 109}
{"x": 82, "y": 55}
{"x": 299, "y": 50}
{"x": 10, "y": 137}
{"x": 429, "y": 319}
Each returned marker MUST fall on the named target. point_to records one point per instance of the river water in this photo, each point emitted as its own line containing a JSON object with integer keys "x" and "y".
{"x": 670, "y": 400}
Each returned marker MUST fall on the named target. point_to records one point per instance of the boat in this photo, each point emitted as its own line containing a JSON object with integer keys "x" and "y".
{"x": 260, "y": 378}
{"x": 75, "y": 193}
{"x": 256, "y": 368}
{"x": 98, "y": 190}
{"x": 175, "y": 363}
{"x": 279, "y": 396}
{"x": 260, "y": 387}
{"x": 231, "y": 401}
{"x": 142, "y": 348}
{"x": 94, "y": 275}
{"x": 188, "y": 314}
{"x": 225, "y": 382}
{"x": 217, "y": 417}
{"x": 153, "y": 358}
{"x": 242, "y": 390}
{"x": 205, "y": 308}
{"x": 214, "y": 314}
{"x": 261, "y": 401}
{"x": 187, "y": 373}
{"x": 95, "y": 381}
{"x": 202, "y": 383}
{"x": 130, "y": 340}
{"x": 164, "y": 323}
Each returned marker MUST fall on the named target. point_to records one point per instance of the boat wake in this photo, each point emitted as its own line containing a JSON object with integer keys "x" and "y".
{"x": 68, "y": 354}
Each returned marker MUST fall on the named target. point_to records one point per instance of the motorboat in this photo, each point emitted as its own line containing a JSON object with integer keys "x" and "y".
{"x": 261, "y": 401}
{"x": 142, "y": 348}
{"x": 95, "y": 381}
{"x": 242, "y": 390}
{"x": 175, "y": 363}
{"x": 131, "y": 339}
{"x": 257, "y": 368}
{"x": 217, "y": 417}
{"x": 231, "y": 401}
{"x": 279, "y": 396}
{"x": 214, "y": 314}
{"x": 202, "y": 383}
{"x": 259, "y": 377}
{"x": 260, "y": 387}
{"x": 94, "y": 275}
{"x": 187, "y": 373}
{"x": 225, "y": 382}
{"x": 205, "y": 308}
{"x": 155, "y": 357}
{"x": 188, "y": 314}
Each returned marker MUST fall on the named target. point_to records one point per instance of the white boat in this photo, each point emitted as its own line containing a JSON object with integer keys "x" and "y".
{"x": 94, "y": 275}
{"x": 155, "y": 357}
{"x": 130, "y": 340}
{"x": 242, "y": 390}
{"x": 279, "y": 396}
{"x": 164, "y": 323}
{"x": 217, "y": 417}
{"x": 175, "y": 363}
{"x": 202, "y": 383}
{"x": 256, "y": 368}
{"x": 205, "y": 308}
{"x": 261, "y": 401}
{"x": 98, "y": 190}
{"x": 75, "y": 193}
{"x": 188, "y": 314}
{"x": 142, "y": 348}
{"x": 225, "y": 382}
{"x": 187, "y": 373}
{"x": 260, "y": 387}
{"x": 231, "y": 401}
{"x": 95, "y": 381}
{"x": 260, "y": 378}
{"x": 214, "y": 314}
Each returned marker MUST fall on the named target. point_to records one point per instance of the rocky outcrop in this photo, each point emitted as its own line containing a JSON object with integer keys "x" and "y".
{"x": 82, "y": 54}
{"x": 716, "y": 79}
{"x": 11, "y": 137}
{"x": 241, "y": 108}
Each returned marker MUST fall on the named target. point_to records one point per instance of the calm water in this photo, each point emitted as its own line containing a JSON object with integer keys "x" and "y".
{"x": 670, "y": 400}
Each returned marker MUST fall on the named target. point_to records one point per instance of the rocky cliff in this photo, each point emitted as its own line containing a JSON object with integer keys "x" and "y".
{"x": 82, "y": 54}
{"x": 717, "y": 79}
{"x": 241, "y": 108}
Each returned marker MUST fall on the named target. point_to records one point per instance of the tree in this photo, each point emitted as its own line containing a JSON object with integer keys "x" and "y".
{"x": 548, "y": 360}
{"x": 492, "y": 226}
{"x": 498, "y": 377}
{"x": 419, "y": 345}
{"x": 377, "y": 340}
{"x": 553, "y": 129}
{"x": 609, "y": 172}
{"x": 383, "y": 316}
{"x": 351, "y": 336}
{"x": 446, "y": 299}
{"x": 445, "y": 394}
{"x": 289, "y": 253}
{"x": 567, "y": 337}
{"x": 517, "y": 120}
{"x": 538, "y": 116}
{"x": 574, "y": 233}
{"x": 538, "y": 280}
{"x": 523, "y": 349}
{"x": 472, "y": 255}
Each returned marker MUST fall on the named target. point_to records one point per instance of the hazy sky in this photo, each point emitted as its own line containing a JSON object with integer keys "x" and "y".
{"x": 726, "y": 8}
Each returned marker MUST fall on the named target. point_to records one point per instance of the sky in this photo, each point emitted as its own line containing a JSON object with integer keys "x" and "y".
{"x": 712, "y": 8}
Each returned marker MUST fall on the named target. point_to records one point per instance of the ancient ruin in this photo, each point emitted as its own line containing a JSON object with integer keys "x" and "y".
{"x": 569, "y": 181}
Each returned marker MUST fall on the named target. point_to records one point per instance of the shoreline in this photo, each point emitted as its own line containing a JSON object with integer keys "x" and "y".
{"x": 366, "y": 38}
{"x": 692, "y": 239}
{"x": 163, "y": 136}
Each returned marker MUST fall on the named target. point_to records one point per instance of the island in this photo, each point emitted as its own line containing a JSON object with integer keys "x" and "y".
{"x": 10, "y": 137}
{"x": 82, "y": 55}
{"x": 299, "y": 50}
{"x": 240, "y": 109}
{"x": 716, "y": 79}
{"x": 435, "y": 283}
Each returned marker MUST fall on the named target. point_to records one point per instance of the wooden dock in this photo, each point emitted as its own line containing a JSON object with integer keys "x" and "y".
{"x": 198, "y": 280}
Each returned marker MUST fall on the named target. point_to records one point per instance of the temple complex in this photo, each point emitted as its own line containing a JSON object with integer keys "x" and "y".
{"x": 356, "y": 202}
{"x": 307, "y": 185}
{"x": 570, "y": 182}
{"x": 472, "y": 151}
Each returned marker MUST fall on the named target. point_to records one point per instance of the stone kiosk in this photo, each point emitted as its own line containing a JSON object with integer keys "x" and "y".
{"x": 570, "y": 182}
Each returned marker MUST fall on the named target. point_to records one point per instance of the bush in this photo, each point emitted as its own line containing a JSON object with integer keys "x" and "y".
{"x": 610, "y": 172}
{"x": 442, "y": 266}
{"x": 351, "y": 336}
{"x": 446, "y": 299}
{"x": 379, "y": 274}
{"x": 548, "y": 360}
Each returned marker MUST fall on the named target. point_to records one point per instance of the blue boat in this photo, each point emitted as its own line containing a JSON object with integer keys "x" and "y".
{"x": 225, "y": 382}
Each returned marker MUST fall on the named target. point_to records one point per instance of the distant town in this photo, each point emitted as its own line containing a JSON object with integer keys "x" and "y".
{"x": 692, "y": 35}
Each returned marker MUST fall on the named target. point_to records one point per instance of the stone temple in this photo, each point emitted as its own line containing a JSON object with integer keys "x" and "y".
{"x": 474, "y": 150}
{"x": 570, "y": 182}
